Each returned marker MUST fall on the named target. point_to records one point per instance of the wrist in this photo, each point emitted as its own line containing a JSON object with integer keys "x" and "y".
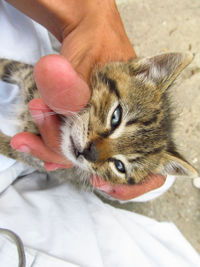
{"x": 99, "y": 37}
{"x": 86, "y": 11}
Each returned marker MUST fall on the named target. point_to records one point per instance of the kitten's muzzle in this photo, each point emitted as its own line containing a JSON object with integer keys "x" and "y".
{"x": 90, "y": 153}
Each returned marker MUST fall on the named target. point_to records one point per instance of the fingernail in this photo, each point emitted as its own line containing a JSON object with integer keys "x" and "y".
{"x": 23, "y": 148}
{"x": 37, "y": 115}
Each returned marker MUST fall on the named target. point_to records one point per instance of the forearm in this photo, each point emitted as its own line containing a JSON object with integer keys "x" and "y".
{"x": 61, "y": 16}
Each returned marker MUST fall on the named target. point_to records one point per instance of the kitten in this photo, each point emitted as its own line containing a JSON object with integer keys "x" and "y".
{"x": 124, "y": 133}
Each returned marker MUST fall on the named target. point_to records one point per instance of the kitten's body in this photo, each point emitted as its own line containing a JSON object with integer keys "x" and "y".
{"x": 124, "y": 134}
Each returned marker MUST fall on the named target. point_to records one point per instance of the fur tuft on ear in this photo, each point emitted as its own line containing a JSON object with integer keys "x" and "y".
{"x": 172, "y": 165}
{"x": 162, "y": 69}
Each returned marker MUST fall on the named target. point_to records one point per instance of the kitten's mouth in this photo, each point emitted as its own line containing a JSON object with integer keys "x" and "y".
{"x": 74, "y": 148}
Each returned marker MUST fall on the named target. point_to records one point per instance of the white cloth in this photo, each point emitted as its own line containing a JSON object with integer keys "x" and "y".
{"x": 23, "y": 40}
{"x": 57, "y": 220}
{"x": 59, "y": 225}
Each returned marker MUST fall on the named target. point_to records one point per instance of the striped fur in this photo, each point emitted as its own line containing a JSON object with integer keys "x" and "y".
{"x": 124, "y": 134}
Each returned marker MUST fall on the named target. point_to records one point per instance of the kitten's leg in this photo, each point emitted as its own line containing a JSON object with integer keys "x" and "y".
{"x": 22, "y": 75}
{"x": 12, "y": 71}
{"x": 8, "y": 151}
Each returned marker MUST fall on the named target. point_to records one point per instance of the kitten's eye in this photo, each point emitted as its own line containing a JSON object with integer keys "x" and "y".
{"x": 119, "y": 166}
{"x": 116, "y": 117}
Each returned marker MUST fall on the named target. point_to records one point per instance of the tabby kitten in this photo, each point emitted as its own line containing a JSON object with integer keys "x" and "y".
{"x": 124, "y": 134}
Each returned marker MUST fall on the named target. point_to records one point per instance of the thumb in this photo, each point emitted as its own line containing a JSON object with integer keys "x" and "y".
{"x": 60, "y": 86}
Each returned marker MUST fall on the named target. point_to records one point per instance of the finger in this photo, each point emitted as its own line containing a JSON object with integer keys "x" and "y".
{"x": 126, "y": 192}
{"x": 32, "y": 144}
{"x": 60, "y": 86}
{"x": 48, "y": 124}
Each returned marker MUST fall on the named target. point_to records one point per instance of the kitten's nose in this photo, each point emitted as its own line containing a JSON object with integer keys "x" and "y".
{"x": 90, "y": 153}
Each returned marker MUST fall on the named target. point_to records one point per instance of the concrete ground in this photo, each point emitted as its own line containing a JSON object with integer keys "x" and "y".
{"x": 155, "y": 26}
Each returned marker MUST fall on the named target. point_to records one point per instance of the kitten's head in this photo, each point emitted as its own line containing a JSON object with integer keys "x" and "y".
{"x": 124, "y": 133}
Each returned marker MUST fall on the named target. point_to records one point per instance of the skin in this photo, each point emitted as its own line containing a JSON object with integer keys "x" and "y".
{"x": 90, "y": 32}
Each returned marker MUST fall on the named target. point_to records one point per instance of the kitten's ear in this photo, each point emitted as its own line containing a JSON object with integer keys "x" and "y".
{"x": 162, "y": 69}
{"x": 173, "y": 165}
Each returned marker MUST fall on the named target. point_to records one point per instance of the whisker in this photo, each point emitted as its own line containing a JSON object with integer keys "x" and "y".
{"x": 63, "y": 111}
{"x": 58, "y": 110}
{"x": 46, "y": 114}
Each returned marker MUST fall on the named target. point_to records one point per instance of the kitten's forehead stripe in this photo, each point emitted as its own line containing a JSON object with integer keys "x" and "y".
{"x": 135, "y": 159}
{"x": 112, "y": 85}
{"x": 132, "y": 121}
{"x": 153, "y": 119}
{"x": 153, "y": 151}
{"x": 101, "y": 113}
{"x": 147, "y": 122}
